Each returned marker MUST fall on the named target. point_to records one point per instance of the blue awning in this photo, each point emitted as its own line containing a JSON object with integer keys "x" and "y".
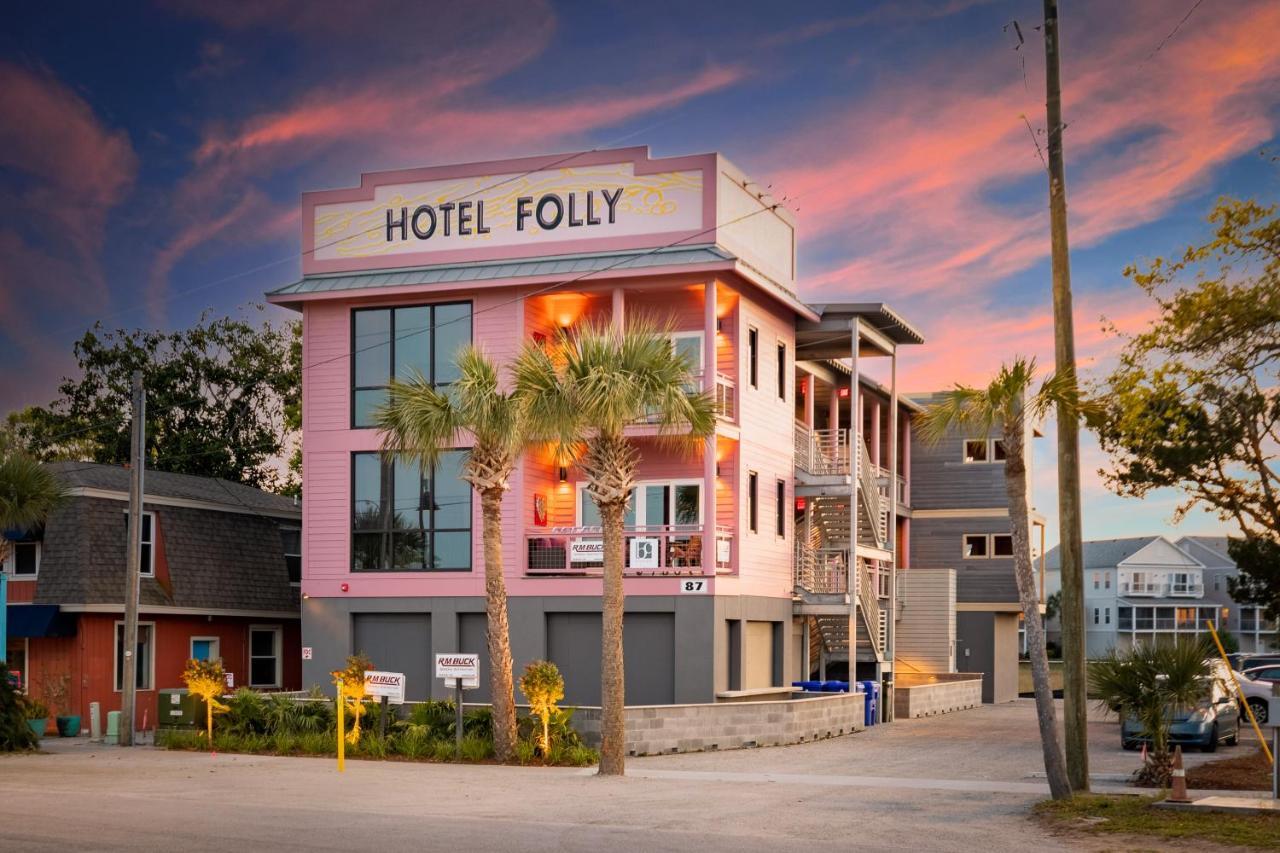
{"x": 39, "y": 620}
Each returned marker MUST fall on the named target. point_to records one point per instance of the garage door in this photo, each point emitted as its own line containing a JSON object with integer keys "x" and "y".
{"x": 397, "y": 642}
{"x": 573, "y": 643}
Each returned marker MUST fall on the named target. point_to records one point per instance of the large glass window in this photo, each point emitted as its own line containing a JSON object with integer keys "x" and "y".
{"x": 409, "y": 519}
{"x": 651, "y": 505}
{"x": 404, "y": 343}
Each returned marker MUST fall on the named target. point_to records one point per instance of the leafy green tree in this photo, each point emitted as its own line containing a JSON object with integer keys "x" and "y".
{"x": 1192, "y": 403}
{"x": 1005, "y": 406}
{"x": 1258, "y": 559}
{"x": 222, "y": 400}
{"x": 583, "y": 393}
{"x": 418, "y": 422}
{"x": 1052, "y": 605}
{"x": 1152, "y": 683}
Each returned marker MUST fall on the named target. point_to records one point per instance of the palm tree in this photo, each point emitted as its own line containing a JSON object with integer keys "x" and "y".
{"x": 1006, "y": 404}
{"x": 418, "y": 422}
{"x": 582, "y": 394}
{"x": 1151, "y": 683}
{"x": 28, "y": 493}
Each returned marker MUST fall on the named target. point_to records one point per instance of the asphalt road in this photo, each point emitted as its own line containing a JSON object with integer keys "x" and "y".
{"x": 959, "y": 782}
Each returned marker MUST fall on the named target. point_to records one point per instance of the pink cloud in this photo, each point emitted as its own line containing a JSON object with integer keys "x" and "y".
{"x": 906, "y": 177}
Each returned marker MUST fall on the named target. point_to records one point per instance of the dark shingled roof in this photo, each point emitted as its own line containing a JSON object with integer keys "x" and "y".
{"x": 162, "y": 484}
{"x": 205, "y": 558}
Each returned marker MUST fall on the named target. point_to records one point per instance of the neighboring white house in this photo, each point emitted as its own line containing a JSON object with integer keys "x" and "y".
{"x": 1153, "y": 588}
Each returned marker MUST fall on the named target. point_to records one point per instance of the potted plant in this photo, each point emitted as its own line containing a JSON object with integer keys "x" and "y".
{"x": 37, "y": 715}
{"x": 57, "y": 691}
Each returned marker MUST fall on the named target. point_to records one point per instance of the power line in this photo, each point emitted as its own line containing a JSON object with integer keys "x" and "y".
{"x": 1172, "y": 32}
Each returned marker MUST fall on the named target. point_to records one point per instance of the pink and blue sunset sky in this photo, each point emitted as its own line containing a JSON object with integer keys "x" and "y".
{"x": 152, "y": 154}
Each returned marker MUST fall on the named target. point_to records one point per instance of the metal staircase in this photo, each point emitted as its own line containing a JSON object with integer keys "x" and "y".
{"x": 821, "y": 561}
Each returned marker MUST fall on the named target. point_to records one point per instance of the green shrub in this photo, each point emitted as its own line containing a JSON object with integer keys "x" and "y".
{"x": 443, "y": 750}
{"x": 478, "y": 722}
{"x": 580, "y": 756}
{"x": 476, "y": 748}
{"x": 188, "y": 739}
{"x": 246, "y": 713}
{"x": 317, "y": 743}
{"x": 15, "y": 734}
{"x": 413, "y": 742}
{"x": 283, "y": 742}
{"x": 543, "y": 685}
{"x": 526, "y": 751}
{"x": 370, "y": 746}
{"x": 35, "y": 709}
{"x": 559, "y": 725}
{"x": 437, "y": 715}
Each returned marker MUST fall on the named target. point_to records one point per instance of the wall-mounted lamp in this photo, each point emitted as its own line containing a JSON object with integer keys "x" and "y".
{"x": 717, "y": 469}
{"x": 720, "y": 325}
{"x": 564, "y": 474}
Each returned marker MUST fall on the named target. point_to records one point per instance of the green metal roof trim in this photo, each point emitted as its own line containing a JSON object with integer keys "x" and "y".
{"x": 491, "y": 270}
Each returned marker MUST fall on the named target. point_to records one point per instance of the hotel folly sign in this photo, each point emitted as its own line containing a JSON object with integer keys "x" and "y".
{"x": 503, "y": 215}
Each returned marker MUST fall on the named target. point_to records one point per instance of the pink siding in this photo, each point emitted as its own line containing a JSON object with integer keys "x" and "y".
{"x": 502, "y": 322}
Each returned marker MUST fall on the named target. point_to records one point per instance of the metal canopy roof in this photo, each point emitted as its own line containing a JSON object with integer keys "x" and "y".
{"x": 493, "y": 270}
{"x": 879, "y": 315}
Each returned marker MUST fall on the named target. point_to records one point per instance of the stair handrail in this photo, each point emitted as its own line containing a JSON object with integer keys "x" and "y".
{"x": 870, "y": 488}
{"x": 868, "y": 604}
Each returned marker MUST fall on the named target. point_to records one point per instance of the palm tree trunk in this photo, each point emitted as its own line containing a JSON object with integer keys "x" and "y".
{"x": 498, "y": 631}
{"x": 613, "y": 747}
{"x": 1015, "y": 479}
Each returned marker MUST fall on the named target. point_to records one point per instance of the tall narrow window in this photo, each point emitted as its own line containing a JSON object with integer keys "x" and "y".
{"x": 782, "y": 371}
{"x": 409, "y": 519}
{"x": 780, "y": 520}
{"x": 753, "y": 356}
{"x": 753, "y": 501}
{"x": 148, "y": 564}
{"x": 403, "y": 343}
{"x": 291, "y": 541}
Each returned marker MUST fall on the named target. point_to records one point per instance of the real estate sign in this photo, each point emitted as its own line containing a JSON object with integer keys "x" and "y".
{"x": 453, "y": 666}
{"x": 389, "y": 684}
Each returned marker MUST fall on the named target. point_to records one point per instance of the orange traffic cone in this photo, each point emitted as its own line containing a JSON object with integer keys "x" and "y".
{"x": 1179, "y": 792}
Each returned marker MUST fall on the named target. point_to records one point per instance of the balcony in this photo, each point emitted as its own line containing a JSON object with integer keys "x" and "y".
{"x": 1142, "y": 588}
{"x": 651, "y": 550}
{"x": 1186, "y": 590}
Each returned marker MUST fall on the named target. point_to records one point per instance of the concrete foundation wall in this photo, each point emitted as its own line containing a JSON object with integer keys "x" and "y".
{"x": 928, "y": 695}
{"x": 730, "y": 725}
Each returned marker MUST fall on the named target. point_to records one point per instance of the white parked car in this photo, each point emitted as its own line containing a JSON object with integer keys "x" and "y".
{"x": 1256, "y": 685}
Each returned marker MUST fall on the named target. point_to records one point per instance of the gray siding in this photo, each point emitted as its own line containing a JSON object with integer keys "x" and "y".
{"x": 677, "y": 647}
{"x": 927, "y": 620}
{"x": 941, "y": 479}
{"x": 397, "y": 642}
{"x": 937, "y": 543}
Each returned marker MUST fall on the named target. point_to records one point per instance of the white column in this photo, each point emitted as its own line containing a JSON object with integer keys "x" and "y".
{"x": 855, "y": 434}
{"x": 809, "y": 386}
{"x": 709, "y": 454}
{"x": 891, "y": 640}
{"x": 619, "y": 306}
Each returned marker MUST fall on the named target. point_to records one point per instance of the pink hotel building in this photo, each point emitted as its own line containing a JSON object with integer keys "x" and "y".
{"x": 770, "y": 555}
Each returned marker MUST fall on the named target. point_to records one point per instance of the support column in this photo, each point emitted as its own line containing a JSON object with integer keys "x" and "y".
{"x": 809, "y": 386}
{"x": 709, "y": 454}
{"x": 874, "y": 438}
{"x": 833, "y": 407}
{"x": 617, "y": 319}
{"x": 906, "y": 460}
{"x": 891, "y": 638}
{"x": 855, "y": 445}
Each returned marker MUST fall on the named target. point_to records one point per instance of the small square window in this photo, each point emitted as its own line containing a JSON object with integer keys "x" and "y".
{"x": 24, "y": 560}
{"x": 975, "y": 450}
{"x": 975, "y": 545}
{"x": 997, "y": 450}
{"x": 1002, "y": 545}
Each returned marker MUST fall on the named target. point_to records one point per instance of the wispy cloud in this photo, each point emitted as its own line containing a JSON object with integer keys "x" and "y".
{"x": 914, "y": 183}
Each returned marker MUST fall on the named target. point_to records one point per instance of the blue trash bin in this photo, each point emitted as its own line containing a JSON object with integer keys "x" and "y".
{"x": 872, "y": 691}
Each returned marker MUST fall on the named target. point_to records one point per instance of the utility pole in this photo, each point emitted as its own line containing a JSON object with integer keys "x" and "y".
{"x": 133, "y": 565}
{"x": 1074, "y": 708}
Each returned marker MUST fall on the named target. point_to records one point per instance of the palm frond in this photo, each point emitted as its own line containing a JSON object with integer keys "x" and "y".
{"x": 417, "y": 421}
{"x": 28, "y": 492}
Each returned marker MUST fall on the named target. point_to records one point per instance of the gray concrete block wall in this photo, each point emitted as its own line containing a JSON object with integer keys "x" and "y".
{"x": 961, "y": 691}
{"x": 664, "y": 729}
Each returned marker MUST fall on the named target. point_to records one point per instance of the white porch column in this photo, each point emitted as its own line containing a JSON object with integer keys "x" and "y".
{"x": 709, "y": 454}
{"x": 855, "y": 434}
{"x": 809, "y": 386}
{"x": 874, "y": 438}
{"x": 891, "y": 641}
{"x": 617, "y": 318}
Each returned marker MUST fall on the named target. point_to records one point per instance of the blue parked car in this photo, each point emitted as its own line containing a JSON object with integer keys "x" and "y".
{"x": 1215, "y": 720}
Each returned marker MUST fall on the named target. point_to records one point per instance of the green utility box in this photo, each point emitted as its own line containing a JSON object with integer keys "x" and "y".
{"x": 179, "y": 709}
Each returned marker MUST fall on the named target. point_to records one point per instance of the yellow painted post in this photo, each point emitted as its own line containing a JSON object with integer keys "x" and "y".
{"x": 342, "y": 735}
{"x": 1240, "y": 693}
{"x": 208, "y": 720}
